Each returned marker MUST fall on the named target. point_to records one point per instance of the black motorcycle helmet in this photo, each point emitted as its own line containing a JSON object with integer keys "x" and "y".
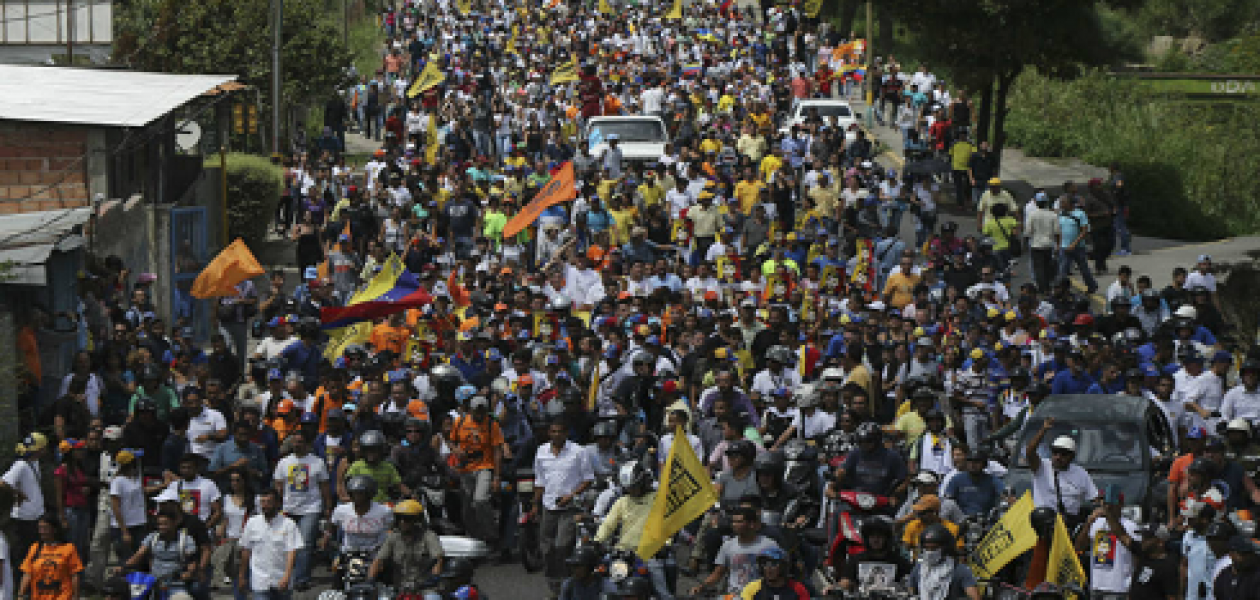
{"x": 584, "y": 556}
{"x": 935, "y": 414}
{"x": 1038, "y": 388}
{"x": 1203, "y": 466}
{"x": 743, "y": 448}
{"x": 877, "y": 526}
{"x": 604, "y": 429}
{"x": 458, "y": 568}
{"x": 937, "y": 534}
{"x": 361, "y": 483}
{"x": 635, "y": 587}
{"x": 771, "y": 463}
{"x": 1042, "y": 520}
{"x": 870, "y": 433}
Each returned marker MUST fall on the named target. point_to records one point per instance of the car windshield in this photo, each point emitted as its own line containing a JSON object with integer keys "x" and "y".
{"x": 829, "y": 110}
{"x": 1106, "y": 445}
{"x": 626, "y": 131}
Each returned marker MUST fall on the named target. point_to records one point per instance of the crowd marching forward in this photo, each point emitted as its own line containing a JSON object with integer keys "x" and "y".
{"x": 858, "y": 389}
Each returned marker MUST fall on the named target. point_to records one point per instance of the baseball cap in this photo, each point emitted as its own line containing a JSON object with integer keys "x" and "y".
{"x": 168, "y": 495}
{"x": 113, "y": 432}
{"x": 1238, "y": 425}
{"x": 124, "y": 457}
{"x": 1064, "y": 442}
{"x": 479, "y": 402}
{"x": 926, "y": 478}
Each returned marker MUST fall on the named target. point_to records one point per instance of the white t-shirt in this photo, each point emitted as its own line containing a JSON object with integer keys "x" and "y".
{"x": 209, "y": 421}
{"x": 814, "y": 425}
{"x": 235, "y": 515}
{"x": 196, "y": 496}
{"x": 362, "y": 532}
{"x": 130, "y": 494}
{"x": 1075, "y": 485}
{"x": 269, "y": 544}
{"x": 23, "y": 476}
{"x": 301, "y": 479}
{"x": 1110, "y": 563}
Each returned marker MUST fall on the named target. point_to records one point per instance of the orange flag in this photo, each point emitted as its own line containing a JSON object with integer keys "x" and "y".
{"x": 559, "y": 189}
{"x": 458, "y": 294}
{"x": 232, "y": 266}
{"x": 469, "y": 324}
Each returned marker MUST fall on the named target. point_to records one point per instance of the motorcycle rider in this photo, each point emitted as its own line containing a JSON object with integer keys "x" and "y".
{"x": 362, "y": 523}
{"x": 927, "y": 483}
{"x": 933, "y": 451}
{"x": 372, "y": 447}
{"x": 939, "y": 573}
{"x": 775, "y": 581}
{"x": 478, "y": 453}
{"x": 561, "y": 473}
{"x": 736, "y": 559}
{"x": 584, "y": 583}
{"x": 871, "y": 468}
{"x": 927, "y": 513}
{"x": 628, "y": 517}
{"x": 810, "y": 423}
{"x": 975, "y": 491}
{"x": 879, "y": 565}
{"x": 413, "y": 554}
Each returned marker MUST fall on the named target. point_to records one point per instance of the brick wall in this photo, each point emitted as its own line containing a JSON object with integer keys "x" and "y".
{"x": 42, "y": 167}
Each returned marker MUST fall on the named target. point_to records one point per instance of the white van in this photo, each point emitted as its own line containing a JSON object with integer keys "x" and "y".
{"x": 838, "y": 113}
{"x": 642, "y": 139}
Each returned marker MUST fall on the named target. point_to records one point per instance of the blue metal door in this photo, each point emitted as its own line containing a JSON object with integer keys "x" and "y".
{"x": 188, "y": 257}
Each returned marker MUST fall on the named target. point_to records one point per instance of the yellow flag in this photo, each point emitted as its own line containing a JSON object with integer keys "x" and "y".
{"x": 430, "y": 77}
{"x": 431, "y": 140}
{"x": 605, "y": 8}
{"x": 675, "y": 11}
{"x": 1064, "y": 567}
{"x": 341, "y": 338}
{"x": 564, "y": 73}
{"x": 511, "y": 45}
{"x": 811, "y": 8}
{"x": 685, "y": 494}
{"x": 465, "y": 6}
{"x": 592, "y": 393}
{"x": 1012, "y": 536}
{"x": 585, "y": 315}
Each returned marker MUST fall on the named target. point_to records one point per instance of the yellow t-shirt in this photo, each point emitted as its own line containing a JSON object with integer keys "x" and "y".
{"x": 651, "y": 194}
{"x": 1002, "y": 231}
{"x": 768, "y": 166}
{"x": 623, "y": 220}
{"x": 748, "y": 193}
{"x": 900, "y": 289}
{"x": 915, "y": 528}
{"x": 710, "y": 145}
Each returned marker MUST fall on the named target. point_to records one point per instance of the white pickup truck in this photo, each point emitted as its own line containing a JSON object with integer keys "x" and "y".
{"x": 642, "y": 139}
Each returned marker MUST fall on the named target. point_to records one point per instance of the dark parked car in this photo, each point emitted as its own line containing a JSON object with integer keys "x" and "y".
{"x": 1123, "y": 440}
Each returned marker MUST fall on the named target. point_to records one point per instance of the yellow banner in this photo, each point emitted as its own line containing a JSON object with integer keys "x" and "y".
{"x": 465, "y": 6}
{"x": 564, "y": 73}
{"x": 511, "y": 45}
{"x": 1064, "y": 567}
{"x": 430, "y": 77}
{"x": 605, "y": 8}
{"x": 811, "y": 8}
{"x": 1012, "y": 536}
{"x": 341, "y": 338}
{"x": 685, "y": 494}
{"x": 592, "y": 393}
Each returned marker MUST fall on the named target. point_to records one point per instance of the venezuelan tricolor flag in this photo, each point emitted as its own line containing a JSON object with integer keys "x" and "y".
{"x": 393, "y": 290}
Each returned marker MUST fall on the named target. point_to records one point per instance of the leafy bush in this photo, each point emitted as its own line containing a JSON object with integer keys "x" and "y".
{"x": 1189, "y": 167}
{"x": 254, "y": 186}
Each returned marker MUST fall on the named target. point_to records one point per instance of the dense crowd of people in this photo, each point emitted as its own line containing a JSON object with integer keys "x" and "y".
{"x": 753, "y": 288}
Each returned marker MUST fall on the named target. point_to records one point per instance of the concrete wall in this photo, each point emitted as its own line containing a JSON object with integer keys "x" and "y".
{"x": 49, "y": 167}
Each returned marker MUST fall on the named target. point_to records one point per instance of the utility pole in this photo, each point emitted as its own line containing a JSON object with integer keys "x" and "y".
{"x": 278, "y": 6}
{"x": 345, "y": 22}
{"x": 869, "y": 79}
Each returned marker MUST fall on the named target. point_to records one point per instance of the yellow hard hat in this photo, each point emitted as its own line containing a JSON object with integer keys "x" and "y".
{"x": 409, "y": 508}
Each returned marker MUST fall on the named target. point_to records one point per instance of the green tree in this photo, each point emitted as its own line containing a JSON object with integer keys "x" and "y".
{"x": 986, "y": 44}
{"x": 235, "y": 37}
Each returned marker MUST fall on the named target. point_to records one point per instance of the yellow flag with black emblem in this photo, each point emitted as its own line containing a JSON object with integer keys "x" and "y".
{"x": 564, "y": 73}
{"x": 1012, "y": 536}
{"x": 465, "y": 6}
{"x": 1064, "y": 567}
{"x": 430, "y": 77}
{"x": 605, "y": 8}
{"x": 343, "y": 337}
{"x": 431, "y": 140}
{"x": 811, "y": 8}
{"x": 685, "y": 494}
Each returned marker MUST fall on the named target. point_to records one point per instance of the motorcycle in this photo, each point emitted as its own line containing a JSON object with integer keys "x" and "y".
{"x": 147, "y": 587}
{"x": 527, "y": 538}
{"x": 435, "y": 489}
{"x": 853, "y": 508}
{"x": 350, "y": 576}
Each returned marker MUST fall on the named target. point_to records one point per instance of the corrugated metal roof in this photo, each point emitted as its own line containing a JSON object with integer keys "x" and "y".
{"x": 26, "y": 241}
{"x": 96, "y": 96}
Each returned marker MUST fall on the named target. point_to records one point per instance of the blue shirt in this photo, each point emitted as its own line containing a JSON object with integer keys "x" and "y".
{"x": 974, "y": 495}
{"x": 303, "y": 358}
{"x": 1114, "y": 387}
{"x": 228, "y": 453}
{"x": 1067, "y": 382}
{"x": 1070, "y": 226}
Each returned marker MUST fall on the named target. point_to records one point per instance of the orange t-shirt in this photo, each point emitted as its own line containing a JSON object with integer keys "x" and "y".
{"x": 388, "y": 337}
{"x": 325, "y": 402}
{"x": 1178, "y": 473}
{"x": 477, "y": 441}
{"x": 51, "y": 568}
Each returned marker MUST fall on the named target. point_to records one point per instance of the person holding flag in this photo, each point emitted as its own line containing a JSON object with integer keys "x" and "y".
{"x": 628, "y": 517}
